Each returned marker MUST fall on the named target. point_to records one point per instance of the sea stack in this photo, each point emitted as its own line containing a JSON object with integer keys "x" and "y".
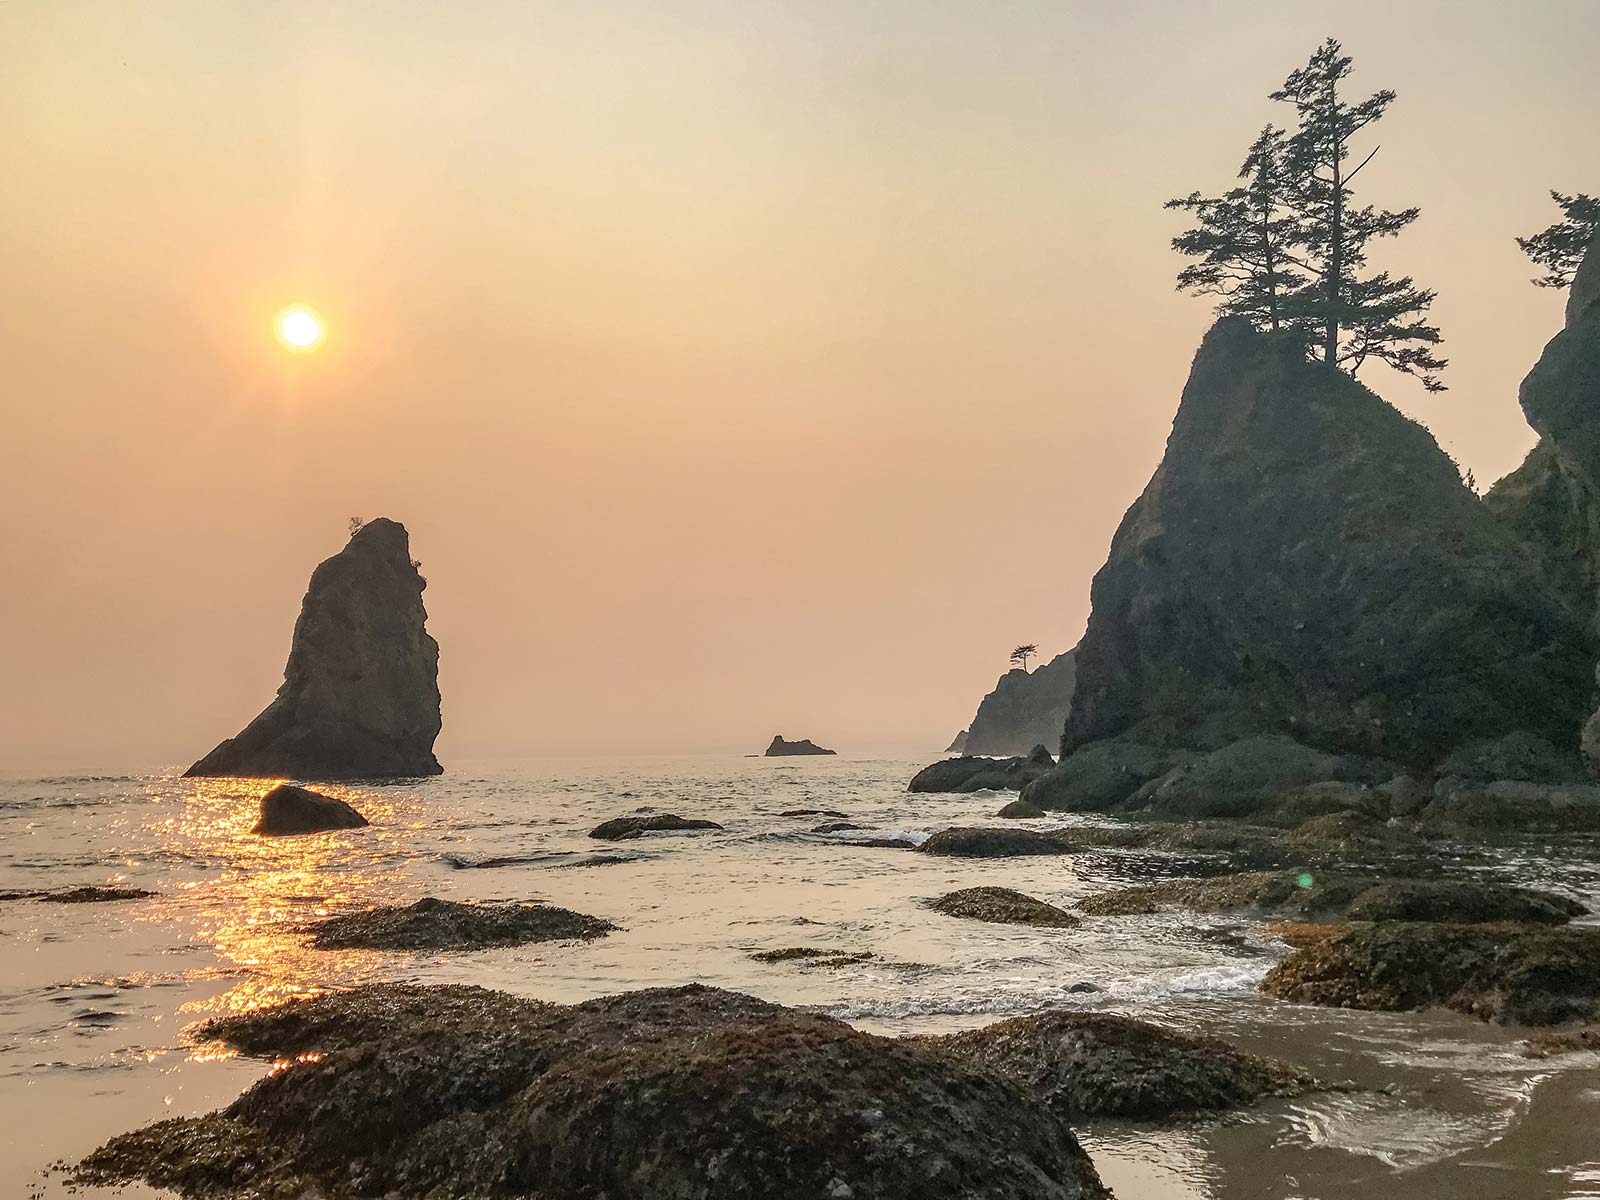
{"x": 1307, "y": 562}
{"x": 781, "y": 748}
{"x": 360, "y": 695}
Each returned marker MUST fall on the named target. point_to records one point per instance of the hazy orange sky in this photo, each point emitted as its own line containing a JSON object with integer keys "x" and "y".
{"x": 738, "y": 368}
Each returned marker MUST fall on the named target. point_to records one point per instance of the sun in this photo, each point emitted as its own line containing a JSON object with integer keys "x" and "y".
{"x": 299, "y": 328}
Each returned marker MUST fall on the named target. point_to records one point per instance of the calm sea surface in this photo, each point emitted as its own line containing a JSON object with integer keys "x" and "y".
{"x": 95, "y": 999}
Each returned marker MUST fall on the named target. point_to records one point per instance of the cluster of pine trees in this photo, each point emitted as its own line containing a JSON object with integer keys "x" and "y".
{"x": 1286, "y": 247}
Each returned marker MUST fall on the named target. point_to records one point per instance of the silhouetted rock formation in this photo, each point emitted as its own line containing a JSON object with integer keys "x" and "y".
{"x": 781, "y": 748}
{"x": 974, "y": 773}
{"x": 1553, "y": 499}
{"x": 1306, "y": 561}
{"x": 622, "y": 828}
{"x": 959, "y": 745}
{"x": 360, "y": 696}
{"x": 1026, "y": 709}
{"x": 288, "y": 810}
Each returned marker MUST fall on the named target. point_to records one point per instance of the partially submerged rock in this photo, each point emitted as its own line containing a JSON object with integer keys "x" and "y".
{"x": 1003, "y": 906}
{"x": 287, "y": 810}
{"x": 1548, "y": 1043}
{"x": 1098, "y": 777}
{"x": 1088, "y": 1065}
{"x": 681, "y": 1092}
{"x": 812, "y": 812}
{"x": 983, "y": 842}
{"x": 814, "y": 956}
{"x": 80, "y": 895}
{"x": 434, "y": 924}
{"x": 780, "y": 748}
{"x": 1514, "y": 974}
{"x": 1020, "y": 810}
{"x": 360, "y": 695}
{"x": 976, "y": 773}
{"x": 620, "y": 828}
{"x": 1510, "y": 806}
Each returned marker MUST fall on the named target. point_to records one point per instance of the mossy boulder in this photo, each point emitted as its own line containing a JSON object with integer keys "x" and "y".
{"x": 1513, "y": 974}
{"x": 1098, "y": 1065}
{"x": 1251, "y": 776}
{"x": 1020, "y": 810}
{"x": 983, "y": 842}
{"x": 684, "y": 1092}
{"x": 1100, "y": 776}
{"x": 1512, "y": 806}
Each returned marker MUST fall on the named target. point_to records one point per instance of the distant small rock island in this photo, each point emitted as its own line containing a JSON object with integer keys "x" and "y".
{"x": 781, "y": 748}
{"x": 360, "y": 695}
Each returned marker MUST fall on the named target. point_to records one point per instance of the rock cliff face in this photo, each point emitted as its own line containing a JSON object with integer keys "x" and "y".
{"x": 1024, "y": 710}
{"x": 1553, "y": 499}
{"x": 1305, "y": 561}
{"x": 360, "y": 696}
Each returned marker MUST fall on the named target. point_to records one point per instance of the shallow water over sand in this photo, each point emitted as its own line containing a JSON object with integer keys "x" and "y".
{"x": 95, "y": 998}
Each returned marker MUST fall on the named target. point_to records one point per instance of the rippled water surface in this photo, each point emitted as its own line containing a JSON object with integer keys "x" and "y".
{"x": 95, "y": 998}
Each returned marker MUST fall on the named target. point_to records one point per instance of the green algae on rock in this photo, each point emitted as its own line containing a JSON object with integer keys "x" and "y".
{"x": 1003, "y": 906}
{"x": 434, "y": 924}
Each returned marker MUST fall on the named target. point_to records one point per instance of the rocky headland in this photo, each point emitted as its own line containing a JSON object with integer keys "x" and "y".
{"x": 1025, "y": 709}
{"x": 360, "y": 694}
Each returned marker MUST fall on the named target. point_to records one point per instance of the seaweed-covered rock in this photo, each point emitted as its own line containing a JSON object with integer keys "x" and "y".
{"x": 983, "y": 842}
{"x": 360, "y": 694}
{"x": 1086, "y": 1065}
{"x": 814, "y": 956}
{"x": 621, "y": 828}
{"x": 1003, "y": 906}
{"x": 1314, "y": 896}
{"x": 1519, "y": 755}
{"x": 1512, "y": 806}
{"x": 1306, "y": 561}
{"x": 1514, "y": 974}
{"x": 1026, "y": 709}
{"x": 433, "y": 924}
{"x": 685, "y": 1092}
{"x": 1100, "y": 776}
{"x": 972, "y": 774}
{"x": 288, "y": 810}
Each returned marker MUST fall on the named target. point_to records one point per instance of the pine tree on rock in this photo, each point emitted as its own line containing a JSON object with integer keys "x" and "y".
{"x": 1247, "y": 241}
{"x": 1559, "y": 249}
{"x": 1357, "y": 316}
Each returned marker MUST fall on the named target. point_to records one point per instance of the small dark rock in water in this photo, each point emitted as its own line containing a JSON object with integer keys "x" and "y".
{"x": 1084, "y": 1065}
{"x": 288, "y": 810}
{"x": 1315, "y": 896}
{"x": 1083, "y": 986}
{"x": 1519, "y": 975}
{"x": 80, "y": 895}
{"x": 781, "y": 748}
{"x": 976, "y": 773}
{"x": 981, "y": 842}
{"x": 812, "y": 812}
{"x": 836, "y": 827}
{"x": 433, "y": 924}
{"x": 685, "y": 1092}
{"x": 1020, "y": 809}
{"x": 1003, "y": 906}
{"x": 883, "y": 843}
{"x": 619, "y": 828}
{"x": 813, "y": 956}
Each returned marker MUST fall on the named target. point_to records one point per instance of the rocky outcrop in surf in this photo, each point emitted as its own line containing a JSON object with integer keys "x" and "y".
{"x": 288, "y": 810}
{"x": 1307, "y": 562}
{"x": 973, "y": 773}
{"x": 360, "y": 694}
{"x": 783, "y": 749}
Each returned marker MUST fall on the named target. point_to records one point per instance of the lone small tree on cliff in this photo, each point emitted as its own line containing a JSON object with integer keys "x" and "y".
{"x": 1020, "y": 656}
{"x": 1559, "y": 249}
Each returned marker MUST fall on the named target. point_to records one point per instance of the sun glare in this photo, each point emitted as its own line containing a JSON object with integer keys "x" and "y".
{"x": 299, "y": 328}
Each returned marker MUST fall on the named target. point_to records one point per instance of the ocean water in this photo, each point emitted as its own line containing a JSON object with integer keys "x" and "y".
{"x": 95, "y": 999}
